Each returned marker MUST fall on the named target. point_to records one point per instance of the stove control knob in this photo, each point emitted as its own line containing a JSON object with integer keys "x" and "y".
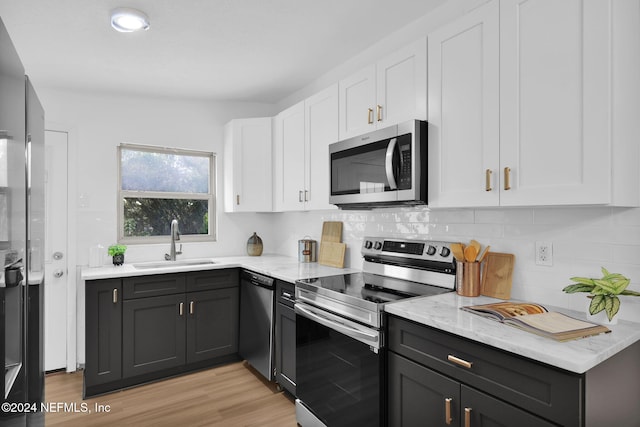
{"x": 368, "y": 244}
{"x": 378, "y": 246}
{"x": 445, "y": 252}
{"x": 431, "y": 250}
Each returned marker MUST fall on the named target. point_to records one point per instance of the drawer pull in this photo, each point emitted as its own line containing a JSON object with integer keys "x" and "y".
{"x": 447, "y": 411}
{"x": 458, "y": 361}
{"x": 115, "y": 296}
{"x": 287, "y": 295}
{"x": 467, "y": 417}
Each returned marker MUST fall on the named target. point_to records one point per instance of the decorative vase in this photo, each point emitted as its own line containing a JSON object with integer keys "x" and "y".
{"x": 118, "y": 259}
{"x": 254, "y": 245}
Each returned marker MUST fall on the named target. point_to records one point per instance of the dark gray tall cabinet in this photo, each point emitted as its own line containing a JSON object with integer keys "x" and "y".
{"x": 285, "y": 351}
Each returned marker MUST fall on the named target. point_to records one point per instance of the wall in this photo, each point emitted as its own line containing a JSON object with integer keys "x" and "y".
{"x": 583, "y": 238}
{"x": 97, "y": 123}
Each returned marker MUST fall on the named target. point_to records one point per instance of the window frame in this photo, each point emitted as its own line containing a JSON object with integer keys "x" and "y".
{"x": 210, "y": 196}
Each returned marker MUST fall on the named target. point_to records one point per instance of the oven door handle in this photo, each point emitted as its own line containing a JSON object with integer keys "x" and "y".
{"x": 388, "y": 165}
{"x": 337, "y": 326}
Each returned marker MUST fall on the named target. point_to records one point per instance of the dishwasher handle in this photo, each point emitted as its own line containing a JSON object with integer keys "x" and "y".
{"x": 257, "y": 279}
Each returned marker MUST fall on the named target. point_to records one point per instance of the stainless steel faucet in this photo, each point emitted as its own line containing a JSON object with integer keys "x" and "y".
{"x": 175, "y": 235}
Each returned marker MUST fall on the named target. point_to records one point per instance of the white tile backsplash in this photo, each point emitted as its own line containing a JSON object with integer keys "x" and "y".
{"x": 584, "y": 239}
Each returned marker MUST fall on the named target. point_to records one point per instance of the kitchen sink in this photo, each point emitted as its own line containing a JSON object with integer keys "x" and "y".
{"x": 177, "y": 263}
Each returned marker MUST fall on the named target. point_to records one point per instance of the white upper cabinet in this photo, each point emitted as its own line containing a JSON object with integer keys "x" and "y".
{"x": 321, "y": 129}
{"x": 464, "y": 134}
{"x": 247, "y": 165}
{"x": 559, "y": 125}
{"x": 289, "y": 158}
{"x": 388, "y": 92}
{"x": 303, "y": 133}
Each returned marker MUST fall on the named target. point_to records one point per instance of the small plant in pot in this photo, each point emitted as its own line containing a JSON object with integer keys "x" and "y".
{"x": 603, "y": 292}
{"x": 117, "y": 253}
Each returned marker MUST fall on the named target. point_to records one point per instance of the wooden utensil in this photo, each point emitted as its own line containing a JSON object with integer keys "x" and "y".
{"x": 482, "y": 256}
{"x": 332, "y": 254}
{"x": 470, "y": 253}
{"x": 331, "y": 231}
{"x": 476, "y": 245}
{"x": 498, "y": 275}
{"x": 458, "y": 251}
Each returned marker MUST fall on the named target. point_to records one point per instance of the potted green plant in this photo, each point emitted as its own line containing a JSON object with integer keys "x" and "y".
{"x": 603, "y": 292}
{"x": 117, "y": 253}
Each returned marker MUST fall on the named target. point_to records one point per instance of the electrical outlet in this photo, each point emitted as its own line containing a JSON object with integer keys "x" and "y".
{"x": 544, "y": 253}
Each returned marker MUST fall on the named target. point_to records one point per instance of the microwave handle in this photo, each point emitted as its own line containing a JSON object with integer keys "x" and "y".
{"x": 389, "y": 163}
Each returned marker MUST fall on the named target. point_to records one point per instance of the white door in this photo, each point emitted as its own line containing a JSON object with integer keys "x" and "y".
{"x": 291, "y": 134}
{"x": 357, "y": 94}
{"x": 555, "y": 101}
{"x": 402, "y": 85}
{"x": 464, "y": 138}
{"x": 321, "y": 127}
{"x": 56, "y": 271}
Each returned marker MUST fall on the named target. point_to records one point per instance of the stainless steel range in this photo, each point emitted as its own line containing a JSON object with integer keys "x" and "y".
{"x": 340, "y": 330}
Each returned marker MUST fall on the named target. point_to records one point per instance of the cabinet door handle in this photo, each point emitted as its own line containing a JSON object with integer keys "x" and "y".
{"x": 467, "y": 417}
{"x": 458, "y": 361}
{"x": 300, "y": 196}
{"x": 192, "y": 306}
{"x": 306, "y": 195}
{"x": 370, "y": 116}
{"x": 115, "y": 296}
{"x": 379, "y": 112}
{"x": 487, "y": 177}
{"x": 447, "y": 411}
{"x": 507, "y": 178}
{"x": 237, "y": 199}
{"x": 181, "y": 308}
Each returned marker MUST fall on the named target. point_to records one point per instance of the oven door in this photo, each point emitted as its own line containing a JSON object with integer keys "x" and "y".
{"x": 339, "y": 369}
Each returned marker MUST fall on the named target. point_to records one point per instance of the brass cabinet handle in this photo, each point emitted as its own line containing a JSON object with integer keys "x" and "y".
{"x": 379, "y": 112}
{"x": 507, "y": 178}
{"x": 370, "y": 116}
{"x": 191, "y": 307}
{"x": 458, "y": 361}
{"x": 467, "y": 417}
{"x": 237, "y": 199}
{"x": 181, "y": 308}
{"x": 115, "y": 296}
{"x": 447, "y": 411}
{"x": 487, "y": 177}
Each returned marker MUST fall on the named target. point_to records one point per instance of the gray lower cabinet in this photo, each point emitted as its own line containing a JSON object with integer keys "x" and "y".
{"x": 285, "y": 342}
{"x": 143, "y": 328}
{"x": 153, "y": 336}
{"x": 212, "y": 325}
{"x": 418, "y": 394}
{"x": 103, "y": 359}
{"x": 435, "y": 377}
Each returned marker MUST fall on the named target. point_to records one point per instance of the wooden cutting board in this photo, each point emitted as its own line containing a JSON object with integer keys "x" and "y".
{"x": 332, "y": 254}
{"x": 331, "y": 231}
{"x": 498, "y": 275}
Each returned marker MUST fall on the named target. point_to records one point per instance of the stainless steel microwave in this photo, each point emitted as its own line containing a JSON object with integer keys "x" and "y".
{"x": 382, "y": 168}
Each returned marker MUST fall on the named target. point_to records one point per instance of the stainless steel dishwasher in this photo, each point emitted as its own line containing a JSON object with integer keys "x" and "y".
{"x": 256, "y": 321}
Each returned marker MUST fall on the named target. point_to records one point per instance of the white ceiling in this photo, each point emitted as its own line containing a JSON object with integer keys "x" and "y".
{"x": 258, "y": 50}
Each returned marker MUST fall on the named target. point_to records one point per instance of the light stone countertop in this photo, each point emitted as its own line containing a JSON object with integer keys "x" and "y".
{"x": 278, "y": 266}
{"x": 443, "y": 312}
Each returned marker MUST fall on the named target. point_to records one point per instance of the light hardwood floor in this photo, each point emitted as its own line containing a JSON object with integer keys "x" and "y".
{"x": 230, "y": 395}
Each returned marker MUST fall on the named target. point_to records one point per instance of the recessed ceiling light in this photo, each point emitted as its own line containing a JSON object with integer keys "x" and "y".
{"x": 127, "y": 20}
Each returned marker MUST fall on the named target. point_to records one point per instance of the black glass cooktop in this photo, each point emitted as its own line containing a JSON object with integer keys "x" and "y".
{"x": 374, "y": 288}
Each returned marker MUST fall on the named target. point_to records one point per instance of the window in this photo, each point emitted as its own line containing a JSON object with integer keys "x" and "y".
{"x": 158, "y": 185}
